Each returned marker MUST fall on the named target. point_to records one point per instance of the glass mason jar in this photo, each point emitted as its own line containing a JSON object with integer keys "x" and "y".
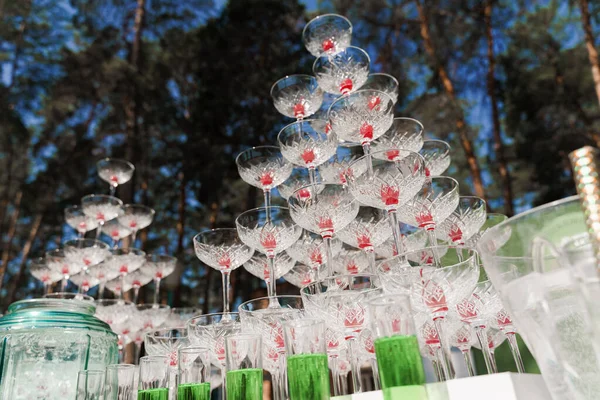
{"x": 44, "y": 343}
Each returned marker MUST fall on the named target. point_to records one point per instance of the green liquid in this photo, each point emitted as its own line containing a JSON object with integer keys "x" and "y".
{"x": 405, "y": 393}
{"x": 154, "y": 394}
{"x": 193, "y": 391}
{"x": 399, "y": 361}
{"x": 245, "y": 384}
{"x": 308, "y": 377}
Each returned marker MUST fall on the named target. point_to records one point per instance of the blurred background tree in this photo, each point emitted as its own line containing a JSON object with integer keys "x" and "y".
{"x": 180, "y": 88}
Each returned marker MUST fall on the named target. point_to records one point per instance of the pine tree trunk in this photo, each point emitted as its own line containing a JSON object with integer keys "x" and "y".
{"x": 461, "y": 126}
{"x": 26, "y": 249}
{"x": 11, "y": 235}
{"x": 589, "y": 43}
{"x": 507, "y": 192}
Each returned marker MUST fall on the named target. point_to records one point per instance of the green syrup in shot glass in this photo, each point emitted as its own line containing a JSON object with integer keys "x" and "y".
{"x": 308, "y": 377}
{"x": 153, "y": 394}
{"x": 245, "y": 384}
{"x": 399, "y": 361}
{"x": 193, "y": 391}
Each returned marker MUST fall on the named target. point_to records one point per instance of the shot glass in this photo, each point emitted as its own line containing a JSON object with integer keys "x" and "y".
{"x": 118, "y": 382}
{"x": 90, "y": 385}
{"x": 154, "y": 378}
{"x": 396, "y": 346}
{"x": 194, "y": 370}
{"x": 244, "y": 379}
{"x": 307, "y": 369}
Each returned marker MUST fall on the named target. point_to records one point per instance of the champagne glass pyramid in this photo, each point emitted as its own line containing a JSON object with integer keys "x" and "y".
{"x": 258, "y": 266}
{"x": 86, "y": 252}
{"x": 78, "y": 220}
{"x": 259, "y": 317}
{"x": 159, "y": 266}
{"x": 324, "y": 212}
{"x": 125, "y": 261}
{"x": 436, "y": 290}
{"x": 431, "y": 205}
{"x": 390, "y": 185}
{"x": 269, "y": 231}
{"x": 39, "y": 269}
{"x": 368, "y": 230}
{"x": 263, "y": 167}
{"x": 59, "y": 263}
{"x": 412, "y": 238}
{"x": 115, "y": 231}
{"x": 307, "y": 144}
{"x": 85, "y": 281}
{"x": 337, "y": 167}
{"x": 117, "y": 314}
{"x": 343, "y": 72}
{"x": 384, "y": 83}
{"x": 362, "y": 117}
{"x": 115, "y": 172}
{"x": 327, "y": 34}
{"x": 102, "y": 208}
{"x": 297, "y": 96}
{"x": 436, "y": 154}
{"x": 222, "y": 250}
{"x": 134, "y": 280}
{"x": 299, "y": 177}
{"x": 136, "y": 217}
{"x": 310, "y": 250}
{"x": 405, "y": 133}
{"x": 464, "y": 222}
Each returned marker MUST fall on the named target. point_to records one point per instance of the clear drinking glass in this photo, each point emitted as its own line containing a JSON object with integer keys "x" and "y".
{"x": 57, "y": 262}
{"x": 125, "y": 261}
{"x": 102, "y": 208}
{"x": 115, "y": 172}
{"x": 342, "y": 72}
{"x": 436, "y": 154}
{"x": 269, "y": 231}
{"x": 258, "y": 266}
{"x": 154, "y": 378}
{"x": 118, "y": 384}
{"x": 299, "y": 177}
{"x": 300, "y": 275}
{"x": 351, "y": 261}
{"x": 405, "y": 134}
{"x": 90, "y": 385}
{"x": 265, "y": 168}
{"x": 258, "y": 317}
{"x": 384, "y": 83}
{"x": 310, "y": 250}
{"x": 223, "y": 250}
{"x": 78, "y": 220}
{"x": 42, "y": 272}
{"x": 194, "y": 370}
{"x": 327, "y": 34}
{"x": 307, "y": 367}
{"x": 464, "y": 222}
{"x": 159, "y": 266}
{"x": 324, "y": 211}
{"x": 136, "y": 217}
{"x": 244, "y": 367}
{"x": 88, "y": 253}
{"x": 337, "y": 167}
{"x": 297, "y": 96}
{"x": 307, "y": 144}
{"x": 115, "y": 231}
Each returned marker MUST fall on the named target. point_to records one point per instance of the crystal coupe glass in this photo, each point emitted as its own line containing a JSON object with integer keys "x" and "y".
{"x": 327, "y": 34}
{"x": 343, "y": 72}
{"x": 115, "y": 172}
{"x": 297, "y": 96}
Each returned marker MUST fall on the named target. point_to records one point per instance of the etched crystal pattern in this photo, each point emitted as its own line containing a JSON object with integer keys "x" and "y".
{"x": 431, "y": 206}
{"x": 211, "y": 334}
{"x": 298, "y": 100}
{"x": 310, "y": 249}
{"x": 223, "y": 257}
{"x": 258, "y": 266}
{"x": 300, "y": 275}
{"x": 464, "y": 222}
{"x": 404, "y": 134}
{"x": 307, "y": 143}
{"x": 265, "y": 172}
{"x": 369, "y": 229}
{"x": 351, "y": 262}
{"x": 327, "y": 35}
{"x": 343, "y": 72}
{"x": 338, "y": 167}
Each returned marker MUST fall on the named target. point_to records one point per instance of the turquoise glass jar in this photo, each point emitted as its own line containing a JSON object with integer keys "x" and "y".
{"x": 44, "y": 343}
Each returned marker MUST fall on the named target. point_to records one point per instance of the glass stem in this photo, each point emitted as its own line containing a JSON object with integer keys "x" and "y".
{"x": 223, "y": 385}
{"x": 481, "y": 333}
{"x": 433, "y": 242}
{"x": 63, "y": 283}
{"x": 277, "y": 386}
{"x": 468, "y": 363}
{"x": 113, "y": 189}
{"x": 393, "y": 218}
{"x": 99, "y": 230}
{"x": 437, "y": 371}
{"x": 225, "y": 283}
{"x": 136, "y": 293}
{"x": 445, "y": 365}
{"x": 272, "y": 282}
{"x": 329, "y": 266}
{"x": 312, "y": 175}
{"x": 514, "y": 349}
{"x": 137, "y": 350}
{"x": 156, "y": 290}
{"x": 371, "y": 257}
{"x": 493, "y": 360}
{"x": 47, "y": 286}
{"x": 375, "y": 369}
{"x": 337, "y": 389}
{"x": 267, "y": 195}
{"x": 133, "y": 236}
{"x": 367, "y": 150}
{"x": 122, "y": 291}
{"x": 101, "y": 290}
{"x": 354, "y": 365}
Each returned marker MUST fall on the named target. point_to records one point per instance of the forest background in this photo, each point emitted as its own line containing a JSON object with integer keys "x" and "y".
{"x": 179, "y": 88}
